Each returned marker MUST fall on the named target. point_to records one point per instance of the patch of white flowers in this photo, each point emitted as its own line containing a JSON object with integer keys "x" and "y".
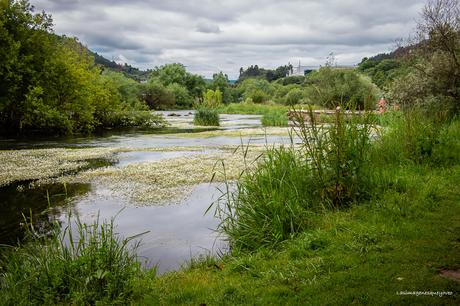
{"x": 21, "y": 165}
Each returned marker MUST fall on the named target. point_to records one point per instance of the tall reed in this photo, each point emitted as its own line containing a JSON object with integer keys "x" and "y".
{"x": 80, "y": 264}
{"x": 330, "y": 169}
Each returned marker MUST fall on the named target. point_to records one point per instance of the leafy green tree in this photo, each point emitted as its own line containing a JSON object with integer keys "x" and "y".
{"x": 50, "y": 84}
{"x": 212, "y": 99}
{"x": 330, "y": 87}
{"x": 129, "y": 90}
{"x": 157, "y": 96}
{"x": 181, "y": 95}
{"x": 432, "y": 80}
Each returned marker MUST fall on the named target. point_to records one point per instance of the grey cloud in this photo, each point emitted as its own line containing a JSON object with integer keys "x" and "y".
{"x": 205, "y": 27}
{"x": 212, "y": 35}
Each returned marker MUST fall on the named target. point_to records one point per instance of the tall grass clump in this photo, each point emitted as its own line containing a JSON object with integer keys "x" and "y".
{"x": 329, "y": 170}
{"x": 206, "y": 117}
{"x": 270, "y": 203}
{"x": 85, "y": 265}
{"x": 339, "y": 156}
{"x": 414, "y": 137}
{"x": 275, "y": 119}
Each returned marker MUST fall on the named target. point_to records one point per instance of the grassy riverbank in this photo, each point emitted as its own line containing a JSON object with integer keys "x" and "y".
{"x": 303, "y": 234}
{"x": 366, "y": 254}
{"x": 294, "y": 238}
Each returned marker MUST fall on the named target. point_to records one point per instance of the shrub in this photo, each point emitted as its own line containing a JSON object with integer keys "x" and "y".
{"x": 206, "y": 117}
{"x": 332, "y": 87}
{"x": 212, "y": 98}
{"x": 97, "y": 267}
{"x": 181, "y": 95}
{"x": 257, "y": 96}
{"x": 294, "y": 96}
{"x": 141, "y": 119}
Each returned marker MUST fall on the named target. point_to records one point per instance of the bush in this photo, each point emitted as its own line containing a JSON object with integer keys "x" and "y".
{"x": 257, "y": 96}
{"x": 333, "y": 87}
{"x": 294, "y": 96}
{"x": 98, "y": 267}
{"x": 212, "y": 98}
{"x": 206, "y": 117}
{"x": 181, "y": 95}
{"x": 141, "y": 119}
{"x": 157, "y": 96}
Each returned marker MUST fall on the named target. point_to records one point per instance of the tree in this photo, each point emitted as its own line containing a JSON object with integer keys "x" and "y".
{"x": 156, "y": 96}
{"x": 181, "y": 95}
{"x": 433, "y": 80}
{"x": 176, "y": 74}
{"x": 331, "y": 87}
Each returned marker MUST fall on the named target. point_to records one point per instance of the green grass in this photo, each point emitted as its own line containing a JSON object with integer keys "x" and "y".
{"x": 275, "y": 119}
{"x": 206, "y": 117}
{"x": 340, "y": 219}
{"x": 260, "y": 109}
{"x": 96, "y": 267}
{"x": 362, "y": 255}
{"x": 337, "y": 222}
{"x": 253, "y": 109}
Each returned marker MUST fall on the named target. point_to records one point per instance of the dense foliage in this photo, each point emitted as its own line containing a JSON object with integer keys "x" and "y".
{"x": 339, "y": 164}
{"x": 330, "y": 87}
{"x": 181, "y": 87}
{"x": 432, "y": 82}
{"x": 50, "y": 84}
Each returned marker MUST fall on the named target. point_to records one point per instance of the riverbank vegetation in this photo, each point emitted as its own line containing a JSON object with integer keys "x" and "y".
{"x": 53, "y": 268}
{"x": 206, "y": 113}
{"x": 348, "y": 213}
{"x": 50, "y": 84}
{"x": 367, "y": 218}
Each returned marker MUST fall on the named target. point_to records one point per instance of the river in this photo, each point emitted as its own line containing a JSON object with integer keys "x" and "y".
{"x": 122, "y": 183}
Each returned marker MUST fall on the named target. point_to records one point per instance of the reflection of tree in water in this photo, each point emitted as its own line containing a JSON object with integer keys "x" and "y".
{"x": 42, "y": 203}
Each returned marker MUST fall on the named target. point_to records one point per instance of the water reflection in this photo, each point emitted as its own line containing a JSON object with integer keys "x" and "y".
{"x": 176, "y": 232}
{"x": 42, "y": 204}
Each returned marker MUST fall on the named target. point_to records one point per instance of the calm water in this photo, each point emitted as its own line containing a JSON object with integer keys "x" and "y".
{"x": 175, "y": 232}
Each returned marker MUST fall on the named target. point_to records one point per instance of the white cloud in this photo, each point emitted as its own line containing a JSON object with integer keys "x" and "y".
{"x": 212, "y": 35}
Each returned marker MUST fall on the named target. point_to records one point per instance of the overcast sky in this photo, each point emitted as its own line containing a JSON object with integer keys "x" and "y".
{"x": 213, "y": 35}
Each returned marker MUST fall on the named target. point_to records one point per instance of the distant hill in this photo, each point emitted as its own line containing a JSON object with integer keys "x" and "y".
{"x": 128, "y": 70}
{"x": 398, "y": 53}
{"x": 384, "y": 68}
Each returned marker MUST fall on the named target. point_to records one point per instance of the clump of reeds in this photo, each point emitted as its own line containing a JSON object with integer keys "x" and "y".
{"x": 206, "y": 117}
{"x": 330, "y": 169}
{"x": 80, "y": 264}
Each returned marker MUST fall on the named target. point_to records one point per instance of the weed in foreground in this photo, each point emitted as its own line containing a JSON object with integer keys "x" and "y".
{"x": 87, "y": 264}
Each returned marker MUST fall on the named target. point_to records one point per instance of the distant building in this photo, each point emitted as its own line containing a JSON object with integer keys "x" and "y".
{"x": 300, "y": 70}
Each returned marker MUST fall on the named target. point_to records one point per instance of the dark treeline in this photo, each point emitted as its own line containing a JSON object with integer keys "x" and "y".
{"x": 254, "y": 71}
